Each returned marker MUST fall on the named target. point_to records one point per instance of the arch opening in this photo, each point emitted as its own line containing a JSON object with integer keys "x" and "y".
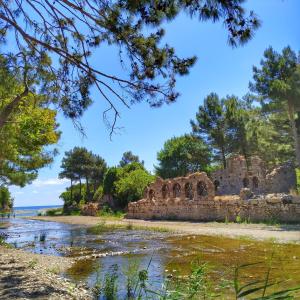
{"x": 202, "y": 189}
{"x": 246, "y": 182}
{"x": 165, "y": 191}
{"x": 151, "y": 194}
{"x": 188, "y": 188}
{"x": 217, "y": 185}
{"x": 255, "y": 182}
{"x": 176, "y": 190}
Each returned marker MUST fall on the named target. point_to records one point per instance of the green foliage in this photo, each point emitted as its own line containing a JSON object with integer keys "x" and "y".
{"x": 26, "y": 132}
{"x": 112, "y": 175}
{"x": 196, "y": 285}
{"x": 54, "y": 212}
{"x": 298, "y": 180}
{"x": 6, "y": 202}
{"x": 233, "y": 126}
{"x": 98, "y": 194}
{"x": 73, "y": 196}
{"x": 80, "y": 165}
{"x": 182, "y": 155}
{"x": 107, "y": 212}
{"x": 128, "y": 158}
{"x": 131, "y": 187}
{"x": 276, "y": 83}
{"x": 70, "y": 33}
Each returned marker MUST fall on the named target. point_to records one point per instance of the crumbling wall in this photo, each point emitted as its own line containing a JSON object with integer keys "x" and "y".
{"x": 282, "y": 179}
{"x": 239, "y": 174}
{"x": 276, "y": 207}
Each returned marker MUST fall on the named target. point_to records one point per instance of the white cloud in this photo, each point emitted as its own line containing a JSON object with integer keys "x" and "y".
{"x": 35, "y": 192}
{"x": 50, "y": 181}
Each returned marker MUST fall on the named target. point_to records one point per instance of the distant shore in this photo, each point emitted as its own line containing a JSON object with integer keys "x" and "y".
{"x": 278, "y": 233}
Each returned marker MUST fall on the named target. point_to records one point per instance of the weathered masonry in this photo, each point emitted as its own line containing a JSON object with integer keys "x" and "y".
{"x": 254, "y": 175}
{"x": 197, "y": 197}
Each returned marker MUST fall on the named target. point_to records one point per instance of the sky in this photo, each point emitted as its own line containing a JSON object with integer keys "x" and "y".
{"x": 219, "y": 68}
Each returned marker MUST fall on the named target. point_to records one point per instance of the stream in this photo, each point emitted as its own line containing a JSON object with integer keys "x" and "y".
{"x": 163, "y": 253}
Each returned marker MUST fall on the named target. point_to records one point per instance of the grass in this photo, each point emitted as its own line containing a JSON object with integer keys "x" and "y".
{"x": 102, "y": 226}
{"x": 196, "y": 285}
{"x": 3, "y": 225}
{"x": 54, "y": 212}
{"x": 32, "y": 263}
{"x": 107, "y": 213}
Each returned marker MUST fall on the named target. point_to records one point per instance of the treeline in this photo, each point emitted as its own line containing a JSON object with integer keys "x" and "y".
{"x": 266, "y": 122}
{"x": 91, "y": 179}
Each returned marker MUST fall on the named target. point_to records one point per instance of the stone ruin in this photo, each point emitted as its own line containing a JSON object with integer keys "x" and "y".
{"x": 253, "y": 174}
{"x": 240, "y": 190}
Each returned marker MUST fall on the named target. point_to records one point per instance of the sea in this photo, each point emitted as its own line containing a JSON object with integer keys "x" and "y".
{"x": 30, "y": 211}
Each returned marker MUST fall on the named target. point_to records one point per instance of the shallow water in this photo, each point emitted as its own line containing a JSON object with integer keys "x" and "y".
{"x": 96, "y": 253}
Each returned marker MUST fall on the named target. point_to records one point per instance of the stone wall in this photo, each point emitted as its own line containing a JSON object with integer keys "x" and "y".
{"x": 193, "y": 198}
{"x": 239, "y": 174}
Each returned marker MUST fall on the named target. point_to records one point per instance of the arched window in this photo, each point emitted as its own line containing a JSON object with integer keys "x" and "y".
{"x": 176, "y": 190}
{"x": 216, "y": 184}
{"x": 188, "y": 189}
{"x": 246, "y": 182}
{"x": 202, "y": 189}
{"x": 151, "y": 194}
{"x": 165, "y": 191}
{"x": 255, "y": 182}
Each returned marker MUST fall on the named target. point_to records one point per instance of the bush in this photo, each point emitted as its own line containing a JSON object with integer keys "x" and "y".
{"x": 6, "y": 202}
{"x": 98, "y": 194}
{"x": 54, "y": 212}
{"x": 132, "y": 186}
{"x": 298, "y": 180}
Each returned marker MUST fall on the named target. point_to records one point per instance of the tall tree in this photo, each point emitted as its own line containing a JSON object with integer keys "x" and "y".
{"x": 210, "y": 125}
{"x": 182, "y": 155}
{"x": 98, "y": 170}
{"x": 25, "y": 139}
{"x": 128, "y": 157}
{"x": 277, "y": 82}
{"x": 60, "y": 37}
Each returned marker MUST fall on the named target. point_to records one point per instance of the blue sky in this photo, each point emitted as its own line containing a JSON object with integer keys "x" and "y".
{"x": 219, "y": 69}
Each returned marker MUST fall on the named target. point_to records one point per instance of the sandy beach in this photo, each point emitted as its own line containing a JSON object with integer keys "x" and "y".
{"x": 278, "y": 233}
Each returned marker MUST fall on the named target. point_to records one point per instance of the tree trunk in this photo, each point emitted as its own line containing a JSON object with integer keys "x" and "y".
{"x": 223, "y": 157}
{"x": 87, "y": 189}
{"x": 295, "y": 124}
{"x": 71, "y": 190}
{"x": 7, "y": 111}
{"x": 79, "y": 189}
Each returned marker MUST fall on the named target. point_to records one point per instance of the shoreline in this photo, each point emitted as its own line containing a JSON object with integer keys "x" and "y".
{"x": 282, "y": 233}
{"x": 25, "y": 275}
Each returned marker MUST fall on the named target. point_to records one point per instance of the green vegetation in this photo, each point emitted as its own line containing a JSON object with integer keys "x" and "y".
{"x": 54, "y": 212}
{"x": 198, "y": 284}
{"x": 277, "y": 84}
{"x": 124, "y": 183}
{"x": 6, "y": 201}
{"x": 298, "y": 180}
{"x": 69, "y": 34}
{"x": 107, "y": 212}
{"x": 182, "y": 155}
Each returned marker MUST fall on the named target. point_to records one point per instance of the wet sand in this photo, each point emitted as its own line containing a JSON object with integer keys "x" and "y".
{"x": 279, "y": 233}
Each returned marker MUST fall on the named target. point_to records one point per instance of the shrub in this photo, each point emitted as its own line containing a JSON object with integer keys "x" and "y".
{"x": 54, "y": 212}
{"x": 132, "y": 186}
{"x": 6, "y": 201}
{"x": 98, "y": 194}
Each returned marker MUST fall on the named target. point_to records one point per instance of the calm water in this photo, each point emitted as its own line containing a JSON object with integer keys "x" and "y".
{"x": 166, "y": 251}
{"x": 30, "y": 211}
